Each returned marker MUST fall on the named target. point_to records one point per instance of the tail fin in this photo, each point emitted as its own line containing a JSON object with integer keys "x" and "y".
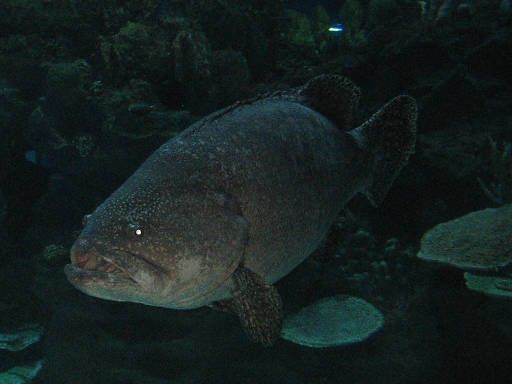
{"x": 391, "y": 137}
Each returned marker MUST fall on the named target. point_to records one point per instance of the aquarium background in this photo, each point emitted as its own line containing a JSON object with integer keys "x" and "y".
{"x": 88, "y": 89}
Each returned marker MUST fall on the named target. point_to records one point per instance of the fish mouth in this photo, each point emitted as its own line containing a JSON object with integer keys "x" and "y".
{"x": 100, "y": 269}
{"x": 80, "y": 276}
{"x": 92, "y": 261}
{"x": 93, "y": 266}
{"x": 99, "y": 272}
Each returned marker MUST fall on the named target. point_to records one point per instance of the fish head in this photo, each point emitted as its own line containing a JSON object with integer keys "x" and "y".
{"x": 170, "y": 251}
{"x": 114, "y": 257}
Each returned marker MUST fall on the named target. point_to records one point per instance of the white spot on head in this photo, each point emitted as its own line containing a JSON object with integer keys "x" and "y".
{"x": 137, "y": 230}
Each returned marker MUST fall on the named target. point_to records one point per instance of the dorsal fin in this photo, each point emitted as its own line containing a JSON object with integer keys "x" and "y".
{"x": 334, "y": 96}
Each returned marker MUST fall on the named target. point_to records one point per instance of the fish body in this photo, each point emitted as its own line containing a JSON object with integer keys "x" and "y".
{"x": 239, "y": 199}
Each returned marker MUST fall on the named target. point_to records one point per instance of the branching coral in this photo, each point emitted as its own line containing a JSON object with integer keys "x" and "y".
{"x": 499, "y": 188}
{"x": 353, "y": 15}
{"x": 443, "y": 10}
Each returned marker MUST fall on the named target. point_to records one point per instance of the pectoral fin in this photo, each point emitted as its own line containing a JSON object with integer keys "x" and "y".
{"x": 257, "y": 305}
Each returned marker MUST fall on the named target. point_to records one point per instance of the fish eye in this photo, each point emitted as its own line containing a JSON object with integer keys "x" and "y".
{"x": 85, "y": 219}
{"x": 137, "y": 230}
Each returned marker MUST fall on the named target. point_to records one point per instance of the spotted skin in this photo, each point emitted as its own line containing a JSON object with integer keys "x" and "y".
{"x": 253, "y": 187}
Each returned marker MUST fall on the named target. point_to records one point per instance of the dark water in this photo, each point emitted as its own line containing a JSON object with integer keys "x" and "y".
{"x": 89, "y": 89}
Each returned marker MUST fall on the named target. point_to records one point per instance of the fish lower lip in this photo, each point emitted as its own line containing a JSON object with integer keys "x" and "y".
{"x": 103, "y": 265}
{"x": 75, "y": 272}
{"x": 94, "y": 262}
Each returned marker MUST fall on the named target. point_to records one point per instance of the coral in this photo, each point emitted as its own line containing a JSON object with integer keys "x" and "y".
{"x": 391, "y": 23}
{"x": 251, "y": 27}
{"x": 137, "y": 51}
{"x": 457, "y": 97}
{"x": 299, "y": 33}
{"x": 267, "y": 29}
{"x": 506, "y": 7}
{"x": 84, "y": 145}
{"x": 320, "y": 26}
{"x": 63, "y": 122}
{"x": 114, "y": 14}
{"x": 134, "y": 112}
{"x": 230, "y": 76}
{"x": 446, "y": 11}
{"x": 134, "y": 91}
{"x": 321, "y": 21}
{"x": 480, "y": 240}
{"x": 20, "y": 60}
{"x": 381, "y": 11}
{"x": 3, "y": 211}
{"x": 21, "y": 338}
{"x": 387, "y": 13}
{"x": 498, "y": 188}
{"x": 308, "y": 35}
{"x": 500, "y": 286}
{"x": 70, "y": 75}
{"x": 454, "y": 153}
{"x": 67, "y": 109}
{"x": 190, "y": 53}
{"x": 13, "y": 112}
{"x": 333, "y": 321}
{"x": 22, "y": 374}
{"x": 352, "y": 14}
{"x": 23, "y": 14}
{"x": 157, "y": 124}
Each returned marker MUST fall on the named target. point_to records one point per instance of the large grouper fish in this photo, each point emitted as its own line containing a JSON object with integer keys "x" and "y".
{"x": 233, "y": 203}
